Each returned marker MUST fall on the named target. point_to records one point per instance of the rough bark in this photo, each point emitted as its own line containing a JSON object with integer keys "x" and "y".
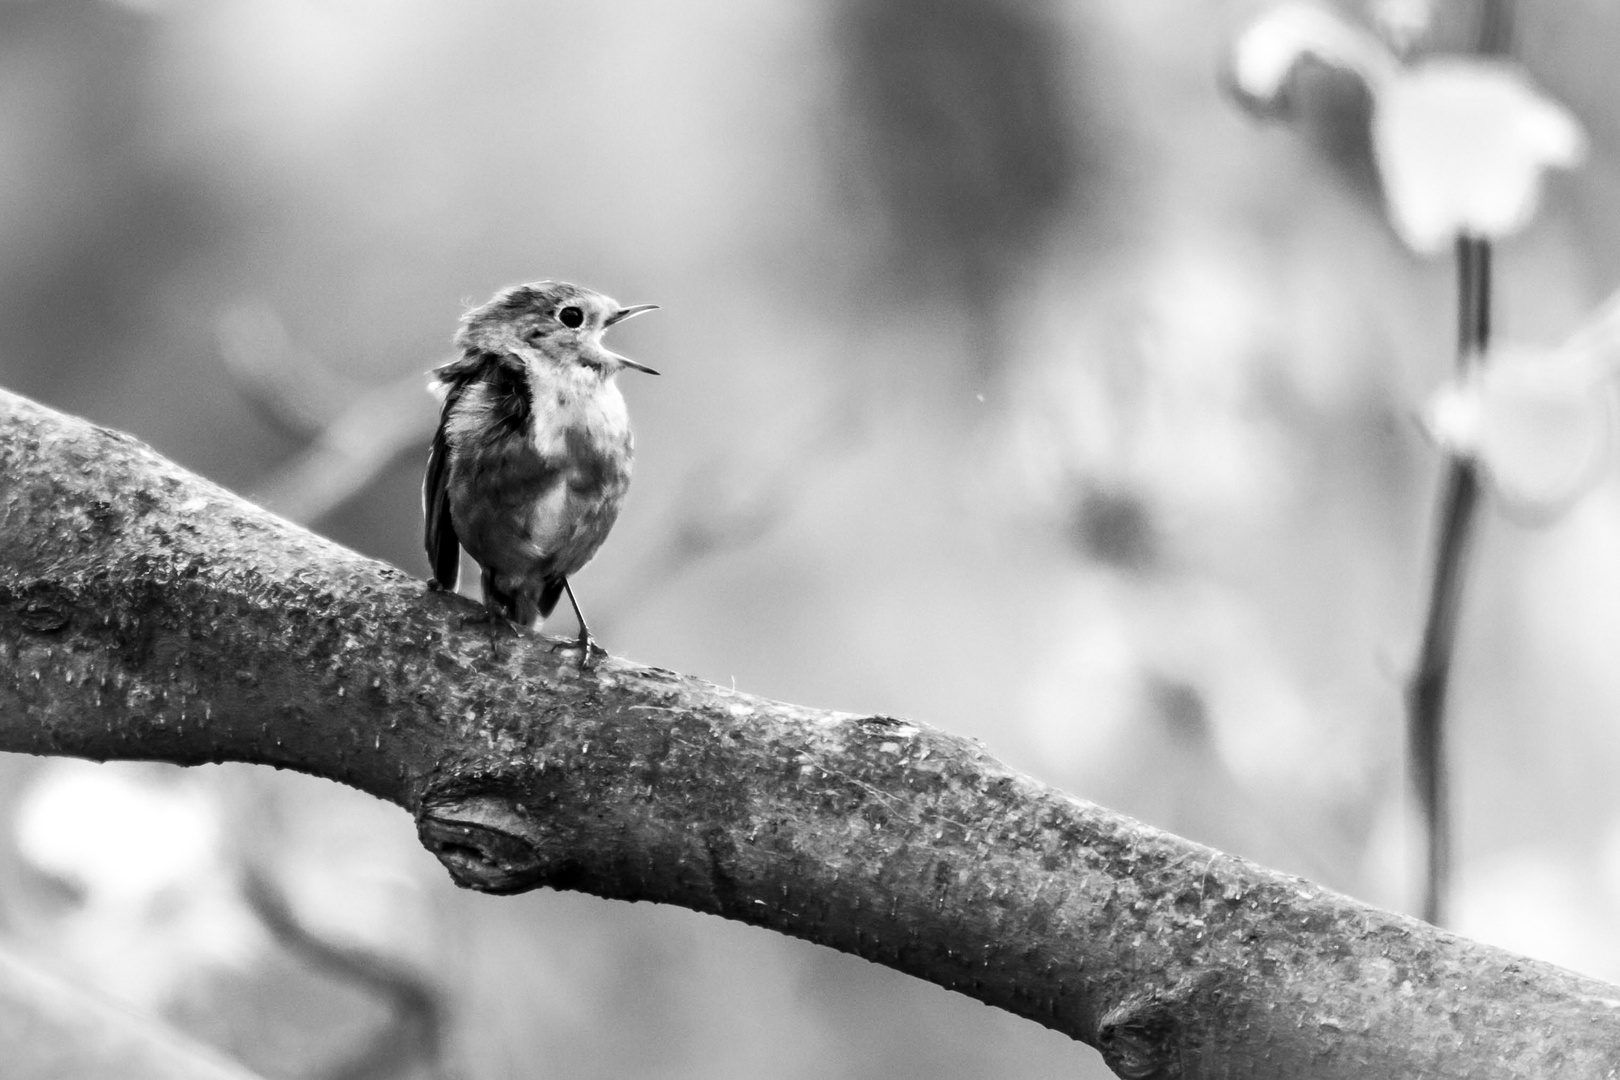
{"x": 145, "y": 613}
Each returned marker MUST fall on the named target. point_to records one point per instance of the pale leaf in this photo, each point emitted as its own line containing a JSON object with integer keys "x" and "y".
{"x": 1539, "y": 422}
{"x": 1268, "y": 50}
{"x": 1597, "y": 340}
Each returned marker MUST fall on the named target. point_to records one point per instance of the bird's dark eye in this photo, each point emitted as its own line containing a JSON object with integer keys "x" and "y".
{"x": 570, "y": 316}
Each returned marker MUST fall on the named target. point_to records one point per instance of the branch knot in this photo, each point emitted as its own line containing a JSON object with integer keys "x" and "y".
{"x": 483, "y": 843}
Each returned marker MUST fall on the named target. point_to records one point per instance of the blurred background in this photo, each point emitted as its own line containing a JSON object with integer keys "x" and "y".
{"x": 1014, "y": 381}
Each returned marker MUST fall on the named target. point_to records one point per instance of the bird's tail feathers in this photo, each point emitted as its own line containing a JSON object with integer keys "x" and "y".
{"x": 550, "y": 594}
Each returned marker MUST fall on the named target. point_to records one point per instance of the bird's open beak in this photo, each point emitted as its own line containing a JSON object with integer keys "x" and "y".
{"x": 610, "y": 361}
{"x": 627, "y": 362}
{"x": 625, "y": 312}
{"x": 618, "y": 317}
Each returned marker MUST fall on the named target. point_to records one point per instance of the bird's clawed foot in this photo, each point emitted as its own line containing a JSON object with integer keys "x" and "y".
{"x": 590, "y": 653}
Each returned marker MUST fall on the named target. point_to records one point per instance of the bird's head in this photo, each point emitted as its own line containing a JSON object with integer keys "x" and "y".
{"x": 552, "y": 322}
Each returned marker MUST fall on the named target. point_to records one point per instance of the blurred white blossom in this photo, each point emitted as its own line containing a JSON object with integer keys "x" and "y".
{"x": 1461, "y": 143}
{"x": 139, "y": 851}
{"x": 1403, "y": 22}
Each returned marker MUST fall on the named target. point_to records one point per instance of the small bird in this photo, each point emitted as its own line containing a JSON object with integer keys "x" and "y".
{"x": 532, "y": 457}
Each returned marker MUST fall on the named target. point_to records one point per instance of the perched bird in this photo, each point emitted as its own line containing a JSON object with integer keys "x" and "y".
{"x": 532, "y": 457}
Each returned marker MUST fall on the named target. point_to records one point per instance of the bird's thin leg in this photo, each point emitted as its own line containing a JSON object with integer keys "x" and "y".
{"x": 586, "y": 644}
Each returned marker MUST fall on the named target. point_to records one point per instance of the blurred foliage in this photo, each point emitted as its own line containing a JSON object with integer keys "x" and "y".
{"x": 962, "y": 129}
{"x": 1014, "y": 381}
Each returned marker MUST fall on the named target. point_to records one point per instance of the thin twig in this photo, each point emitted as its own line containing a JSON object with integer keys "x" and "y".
{"x": 354, "y": 429}
{"x": 289, "y": 387}
{"x": 410, "y": 1041}
{"x": 737, "y": 499}
{"x": 357, "y": 445}
{"x": 1459, "y": 504}
{"x": 1496, "y": 19}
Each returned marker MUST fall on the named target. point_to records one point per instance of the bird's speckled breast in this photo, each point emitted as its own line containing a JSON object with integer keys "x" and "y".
{"x": 537, "y": 500}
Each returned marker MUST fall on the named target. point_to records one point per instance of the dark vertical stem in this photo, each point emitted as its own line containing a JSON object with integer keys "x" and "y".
{"x": 1459, "y": 503}
{"x": 1496, "y": 27}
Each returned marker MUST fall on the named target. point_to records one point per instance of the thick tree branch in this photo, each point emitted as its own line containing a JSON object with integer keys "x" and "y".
{"x": 145, "y": 613}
